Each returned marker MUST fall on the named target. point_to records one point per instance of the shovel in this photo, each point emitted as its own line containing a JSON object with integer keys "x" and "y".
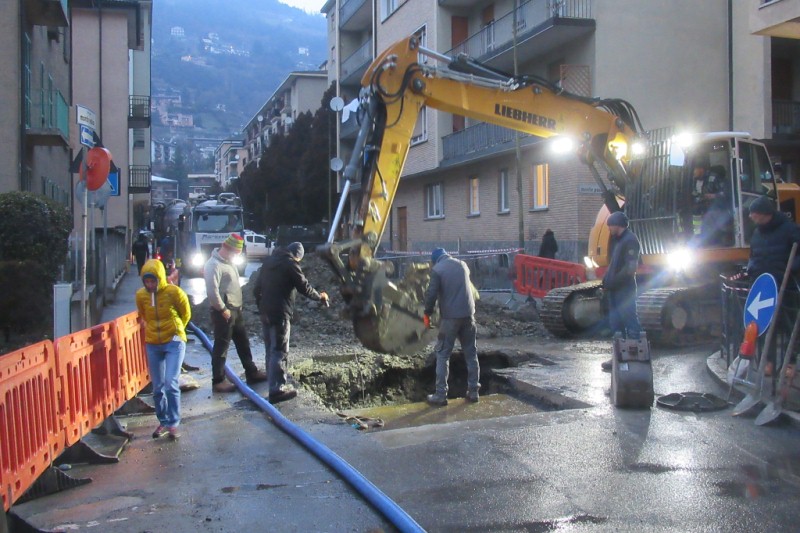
{"x": 754, "y": 397}
{"x": 773, "y": 408}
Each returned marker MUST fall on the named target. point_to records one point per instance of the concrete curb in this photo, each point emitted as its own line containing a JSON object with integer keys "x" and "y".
{"x": 718, "y": 369}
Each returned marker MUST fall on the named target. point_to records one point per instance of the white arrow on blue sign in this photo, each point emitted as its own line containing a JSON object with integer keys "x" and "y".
{"x": 761, "y": 302}
{"x": 87, "y": 136}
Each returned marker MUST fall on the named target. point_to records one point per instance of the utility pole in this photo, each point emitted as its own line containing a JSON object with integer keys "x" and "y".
{"x": 517, "y": 150}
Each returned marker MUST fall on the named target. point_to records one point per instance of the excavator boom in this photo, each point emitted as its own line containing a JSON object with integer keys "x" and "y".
{"x": 387, "y": 314}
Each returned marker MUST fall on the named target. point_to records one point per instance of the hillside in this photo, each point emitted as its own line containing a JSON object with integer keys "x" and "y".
{"x": 225, "y": 59}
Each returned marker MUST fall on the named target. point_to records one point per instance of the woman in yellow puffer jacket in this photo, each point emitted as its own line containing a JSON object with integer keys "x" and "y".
{"x": 166, "y": 311}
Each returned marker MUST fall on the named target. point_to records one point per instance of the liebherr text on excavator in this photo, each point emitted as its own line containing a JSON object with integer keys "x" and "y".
{"x": 607, "y": 136}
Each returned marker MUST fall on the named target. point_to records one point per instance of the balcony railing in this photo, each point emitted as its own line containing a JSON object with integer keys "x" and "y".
{"x": 530, "y": 17}
{"x": 785, "y": 117}
{"x": 356, "y": 63}
{"x": 139, "y": 179}
{"x": 47, "y": 12}
{"x": 138, "y": 111}
{"x": 348, "y": 9}
{"x": 475, "y": 140}
{"x": 47, "y": 118}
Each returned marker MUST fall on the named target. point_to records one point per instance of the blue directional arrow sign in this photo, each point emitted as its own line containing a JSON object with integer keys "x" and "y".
{"x": 87, "y": 139}
{"x": 761, "y": 301}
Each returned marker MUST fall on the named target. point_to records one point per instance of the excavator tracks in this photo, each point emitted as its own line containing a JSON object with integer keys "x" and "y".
{"x": 679, "y": 316}
{"x": 559, "y": 314}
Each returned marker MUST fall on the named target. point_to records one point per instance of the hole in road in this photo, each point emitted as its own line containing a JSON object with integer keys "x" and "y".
{"x": 393, "y": 389}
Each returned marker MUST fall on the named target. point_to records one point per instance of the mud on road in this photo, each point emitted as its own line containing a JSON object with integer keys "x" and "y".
{"x": 327, "y": 358}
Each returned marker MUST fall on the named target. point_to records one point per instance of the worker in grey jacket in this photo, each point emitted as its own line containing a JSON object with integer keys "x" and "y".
{"x": 451, "y": 286}
{"x": 225, "y": 302}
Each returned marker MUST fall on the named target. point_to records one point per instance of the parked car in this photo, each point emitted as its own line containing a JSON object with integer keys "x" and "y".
{"x": 257, "y": 246}
{"x": 310, "y": 236}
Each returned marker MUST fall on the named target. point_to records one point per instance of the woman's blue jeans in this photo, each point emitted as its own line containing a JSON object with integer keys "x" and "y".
{"x": 164, "y": 361}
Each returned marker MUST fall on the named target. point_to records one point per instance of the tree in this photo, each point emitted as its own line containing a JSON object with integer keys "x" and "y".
{"x": 177, "y": 171}
{"x": 34, "y": 233}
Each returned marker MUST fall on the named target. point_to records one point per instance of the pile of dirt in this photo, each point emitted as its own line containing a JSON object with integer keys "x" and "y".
{"x": 327, "y": 357}
{"x": 317, "y": 327}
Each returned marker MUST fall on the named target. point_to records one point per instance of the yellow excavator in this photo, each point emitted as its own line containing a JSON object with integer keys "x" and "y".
{"x": 650, "y": 178}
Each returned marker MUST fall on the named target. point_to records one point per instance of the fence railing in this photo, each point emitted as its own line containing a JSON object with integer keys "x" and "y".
{"x": 475, "y": 139}
{"x": 536, "y": 276}
{"x": 54, "y": 392}
{"x": 530, "y": 15}
{"x": 785, "y": 116}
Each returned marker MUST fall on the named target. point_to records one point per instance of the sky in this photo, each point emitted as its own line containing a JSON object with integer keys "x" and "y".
{"x": 309, "y": 6}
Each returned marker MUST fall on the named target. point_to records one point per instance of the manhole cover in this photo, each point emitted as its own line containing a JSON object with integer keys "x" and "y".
{"x": 692, "y": 401}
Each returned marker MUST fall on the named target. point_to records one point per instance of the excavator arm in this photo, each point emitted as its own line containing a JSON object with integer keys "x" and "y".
{"x": 387, "y": 314}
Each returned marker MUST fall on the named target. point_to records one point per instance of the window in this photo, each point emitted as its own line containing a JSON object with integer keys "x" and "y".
{"x": 421, "y": 127}
{"x": 540, "y": 186}
{"x": 503, "y": 204}
{"x": 434, "y": 201}
{"x": 474, "y": 196}
{"x": 389, "y": 7}
{"x": 27, "y": 76}
{"x": 422, "y": 35}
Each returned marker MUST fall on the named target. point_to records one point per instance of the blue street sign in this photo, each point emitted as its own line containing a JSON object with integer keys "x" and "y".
{"x": 113, "y": 180}
{"x": 87, "y": 136}
{"x": 761, "y": 301}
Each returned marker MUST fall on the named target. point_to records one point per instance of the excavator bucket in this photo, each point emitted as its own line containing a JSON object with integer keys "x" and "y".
{"x": 387, "y": 311}
{"x": 393, "y": 321}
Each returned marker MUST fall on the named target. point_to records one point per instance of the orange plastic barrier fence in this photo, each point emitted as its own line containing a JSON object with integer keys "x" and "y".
{"x": 536, "y": 276}
{"x": 133, "y": 357}
{"x": 30, "y": 436}
{"x": 88, "y": 395}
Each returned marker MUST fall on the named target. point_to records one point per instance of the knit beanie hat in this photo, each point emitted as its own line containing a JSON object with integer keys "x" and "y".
{"x": 618, "y": 218}
{"x": 763, "y": 205}
{"x": 296, "y": 250}
{"x": 235, "y": 242}
{"x": 436, "y": 254}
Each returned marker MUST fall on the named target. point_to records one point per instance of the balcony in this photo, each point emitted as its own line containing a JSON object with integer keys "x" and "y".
{"x": 355, "y": 15}
{"x": 477, "y": 141}
{"x": 138, "y": 112}
{"x": 47, "y": 119}
{"x": 543, "y": 26}
{"x": 356, "y": 64}
{"x": 47, "y": 12}
{"x": 785, "y": 117}
{"x": 139, "y": 179}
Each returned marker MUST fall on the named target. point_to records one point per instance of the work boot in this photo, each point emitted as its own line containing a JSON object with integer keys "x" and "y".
{"x": 256, "y": 376}
{"x": 282, "y": 395}
{"x": 160, "y": 431}
{"x": 438, "y": 400}
{"x": 606, "y": 365}
{"x": 473, "y": 396}
{"x": 224, "y": 386}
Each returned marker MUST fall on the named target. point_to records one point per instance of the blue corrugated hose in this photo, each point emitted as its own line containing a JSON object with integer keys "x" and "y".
{"x": 390, "y": 510}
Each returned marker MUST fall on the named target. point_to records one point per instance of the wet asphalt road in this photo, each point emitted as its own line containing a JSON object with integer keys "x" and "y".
{"x": 594, "y": 468}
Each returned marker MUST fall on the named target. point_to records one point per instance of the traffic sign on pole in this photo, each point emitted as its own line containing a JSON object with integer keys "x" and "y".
{"x": 761, "y": 301}
{"x": 87, "y": 136}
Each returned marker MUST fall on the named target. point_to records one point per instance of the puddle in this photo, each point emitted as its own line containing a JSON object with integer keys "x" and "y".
{"x": 457, "y": 410}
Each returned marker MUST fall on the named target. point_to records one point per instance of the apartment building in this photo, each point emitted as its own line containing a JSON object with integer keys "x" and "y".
{"x": 111, "y": 76}
{"x": 229, "y": 161}
{"x": 300, "y": 92}
{"x": 688, "y": 64}
{"x": 35, "y": 112}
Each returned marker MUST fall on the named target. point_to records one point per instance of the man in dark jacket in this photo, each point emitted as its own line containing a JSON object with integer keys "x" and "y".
{"x": 772, "y": 240}
{"x": 619, "y": 282}
{"x": 141, "y": 251}
{"x": 280, "y": 278}
{"x": 549, "y": 246}
{"x": 451, "y": 286}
